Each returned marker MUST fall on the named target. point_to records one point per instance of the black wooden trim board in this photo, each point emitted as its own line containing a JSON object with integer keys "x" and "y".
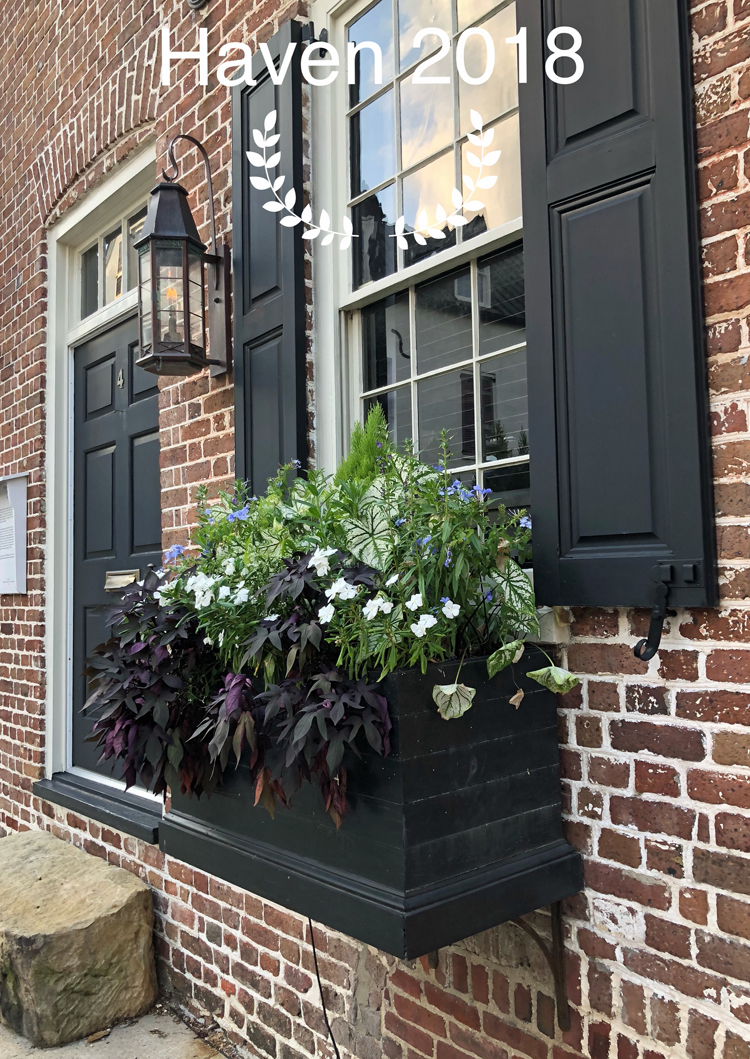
{"x": 125, "y": 812}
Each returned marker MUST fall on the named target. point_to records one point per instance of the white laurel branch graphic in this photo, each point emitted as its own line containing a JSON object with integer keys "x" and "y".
{"x": 424, "y": 228}
{"x": 266, "y": 141}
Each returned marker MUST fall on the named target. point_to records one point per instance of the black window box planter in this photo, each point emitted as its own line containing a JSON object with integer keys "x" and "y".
{"x": 458, "y": 830}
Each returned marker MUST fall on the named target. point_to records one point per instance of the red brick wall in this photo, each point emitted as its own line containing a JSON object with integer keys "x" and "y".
{"x": 656, "y": 759}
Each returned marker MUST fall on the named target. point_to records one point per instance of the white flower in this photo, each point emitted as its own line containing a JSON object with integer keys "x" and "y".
{"x": 201, "y": 585}
{"x": 221, "y": 638}
{"x": 325, "y": 614}
{"x": 224, "y": 591}
{"x": 386, "y": 606}
{"x": 371, "y": 608}
{"x": 391, "y": 581}
{"x": 415, "y": 602}
{"x": 342, "y": 589}
{"x": 242, "y": 595}
{"x": 272, "y": 617}
{"x": 228, "y": 565}
{"x": 320, "y": 560}
{"x": 418, "y": 629}
{"x": 158, "y": 597}
{"x": 427, "y": 620}
{"x": 451, "y": 609}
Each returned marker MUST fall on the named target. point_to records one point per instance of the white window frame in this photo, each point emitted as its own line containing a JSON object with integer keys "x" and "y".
{"x": 119, "y": 194}
{"x": 336, "y": 332}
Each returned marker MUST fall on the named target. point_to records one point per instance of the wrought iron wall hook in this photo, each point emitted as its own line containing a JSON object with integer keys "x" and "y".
{"x": 555, "y": 957}
{"x": 646, "y": 649}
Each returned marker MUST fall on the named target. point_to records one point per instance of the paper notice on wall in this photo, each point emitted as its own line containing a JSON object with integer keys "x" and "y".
{"x": 7, "y": 543}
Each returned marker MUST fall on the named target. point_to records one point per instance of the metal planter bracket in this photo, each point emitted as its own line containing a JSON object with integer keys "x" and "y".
{"x": 555, "y": 957}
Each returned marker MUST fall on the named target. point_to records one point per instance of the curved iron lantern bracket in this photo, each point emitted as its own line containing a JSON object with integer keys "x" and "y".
{"x": 218, "y": 265}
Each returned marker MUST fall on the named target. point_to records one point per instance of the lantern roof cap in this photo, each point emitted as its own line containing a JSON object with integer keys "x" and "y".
{"x": 169, "y": 216}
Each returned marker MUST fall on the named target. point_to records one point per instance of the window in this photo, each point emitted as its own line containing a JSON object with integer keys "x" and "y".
{"x": 450, "y": 353}
{"x": 444, "y": 352}
{"x": 108, "y": 267}
{"x": 408, "y": 144}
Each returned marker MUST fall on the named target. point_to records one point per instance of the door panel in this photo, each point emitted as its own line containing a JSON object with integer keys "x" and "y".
{"x": 116, "y": 505}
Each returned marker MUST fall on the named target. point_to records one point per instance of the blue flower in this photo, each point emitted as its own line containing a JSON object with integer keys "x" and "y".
{"x": 488, "y": 597}
{"x": 399, "y": 522}
{"x": 296, "y": 463}
{"x": 423, "y": 540}
{"x": 448, "y": 557}
{"x": 444, "y": 599}
{"x": 525, "y": 522}
{"x": 173, "y": 553}
{"x": 238, "y": 516}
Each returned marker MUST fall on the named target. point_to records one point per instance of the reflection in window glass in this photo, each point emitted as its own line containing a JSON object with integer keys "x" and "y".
{"x": 509, "y": 484}
{"x": 470, "y": 10}
{"x": 504, "y": 406}
{"x": 375, "y": 25}
{"x": 446, "y": 402}
{"x": 135, "y": 227}
{"x": 385, "y": 338}
{"x": 501, "y": 202}
{"x": 373, "y": 145}
{"x": 414, "y": 15}
{"x": 426, "y": 116}
{"x": 499, "y": 93}
{"x": 443, "y": 321}
{"x": 396, "y": 405}
{"x": 169, "y": 293}
{"x": 113, "y": 266}
{"x": 374, "y": 223}
{"x": 502, "y": 318}
{"x": 425, "y": 189}
{"x": 89, "y": 281}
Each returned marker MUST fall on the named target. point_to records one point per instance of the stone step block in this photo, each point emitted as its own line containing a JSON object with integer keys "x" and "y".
{"x": 76, "y": 945}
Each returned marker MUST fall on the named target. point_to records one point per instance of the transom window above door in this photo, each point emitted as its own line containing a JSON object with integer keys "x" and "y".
{"x": 108, "y": 266}
{"x": 408, "y": 142}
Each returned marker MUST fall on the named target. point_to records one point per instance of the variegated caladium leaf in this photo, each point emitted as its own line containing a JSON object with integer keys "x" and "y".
{"x": 509, "y": 652}
{"x": 453, "y": 700}
{"x": 554, "y": 679}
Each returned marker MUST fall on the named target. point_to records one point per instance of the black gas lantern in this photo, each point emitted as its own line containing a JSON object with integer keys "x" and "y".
{"x": 171, "y": 288}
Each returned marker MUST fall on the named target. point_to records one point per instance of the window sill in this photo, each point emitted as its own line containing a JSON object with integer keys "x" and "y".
{"x": 117, "y": 809}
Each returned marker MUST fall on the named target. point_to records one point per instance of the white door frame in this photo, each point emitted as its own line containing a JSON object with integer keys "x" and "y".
{"x": 129, "y": 181}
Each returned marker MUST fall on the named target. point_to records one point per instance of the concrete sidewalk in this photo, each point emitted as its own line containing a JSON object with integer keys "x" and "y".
{"x": 158, "y": 1035}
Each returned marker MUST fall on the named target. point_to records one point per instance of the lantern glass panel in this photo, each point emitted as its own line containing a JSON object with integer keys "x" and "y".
{"x": 195, "y": 297}
{"x": 170, "y": 297}
{"x": 144, "y": 294}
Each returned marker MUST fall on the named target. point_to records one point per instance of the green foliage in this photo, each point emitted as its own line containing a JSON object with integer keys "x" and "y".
{"x": 367, "y": 446}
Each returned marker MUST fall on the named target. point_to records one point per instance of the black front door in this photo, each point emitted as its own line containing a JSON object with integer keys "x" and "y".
{"x": 116, "y": 504}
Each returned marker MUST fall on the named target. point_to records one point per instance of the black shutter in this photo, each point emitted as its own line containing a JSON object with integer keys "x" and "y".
{"x": 621, "y": 486}
{"x": 269, "y": 278}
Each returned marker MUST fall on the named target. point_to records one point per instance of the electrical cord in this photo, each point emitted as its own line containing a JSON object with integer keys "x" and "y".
{"x": 320, "y": 987}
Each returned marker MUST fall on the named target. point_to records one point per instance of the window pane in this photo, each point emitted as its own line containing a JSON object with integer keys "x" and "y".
{"x": 501, "y": 203}
{"x": 504, "y": 404}
{"x": 443, "y": 321}
{"x": 135, "y": 227}
{"x": 169, "y": 292}
{"x": 414, "y": 15}
{"x": 374, "y": 222}
{"x": 426, "y": 116}
{"x": 385, "y": 336}
{"x": 470, "y": 10}
{"x": 89, "y": 281}
{"x": 375, "y": 25}
{"x": 396, "y": 405}
{"x": 447, "y": 402}
{"x": 502, "y": 318}
{"x": 113, "y": 266}
{"x": 509, "y": 485}
{"x": 500, "y": 92}
{"x": 429, "y": 187}
{"x": 373, "y": 146}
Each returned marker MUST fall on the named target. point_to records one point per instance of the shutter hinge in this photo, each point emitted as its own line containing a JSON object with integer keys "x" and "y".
{"x": 646, "y": 649}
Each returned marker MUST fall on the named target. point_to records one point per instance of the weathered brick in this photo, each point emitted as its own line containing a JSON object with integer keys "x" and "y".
{"x": 694, "y": 905}
{"x": 619, "y": 883}
{"x": 665, "y": 857}
{"x": 664, "y": 740}
{"x": 701, "y": 1036}
{"x": 723, "y": 870}
{"x": 609, "y": 773}
{"x": 668, "y": 937}
{"x": 613, "y": 845}
{"x": 718, "y": 788}
{"x": 733, "y": 831}
{"x": 652, "y": 816}
{"x": 652, "y": 777}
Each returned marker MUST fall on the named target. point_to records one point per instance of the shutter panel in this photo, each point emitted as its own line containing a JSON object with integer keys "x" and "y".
{"x": 620, "y": 475}
{"x": 269, "y": 277}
